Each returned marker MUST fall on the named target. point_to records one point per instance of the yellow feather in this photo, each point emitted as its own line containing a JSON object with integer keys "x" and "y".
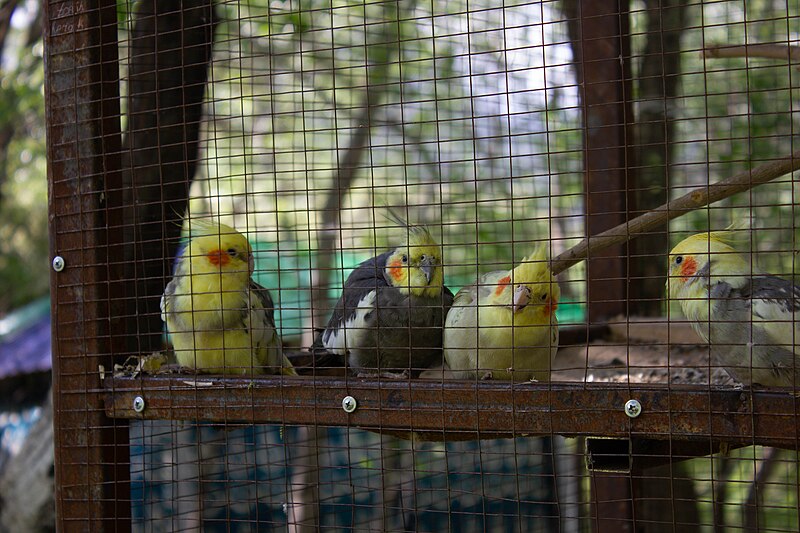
{"x": 484, "y": 332}
{"x": 713, "y": 252}
{"x": 419, "y": 247}
{"x": 216, "y": 322}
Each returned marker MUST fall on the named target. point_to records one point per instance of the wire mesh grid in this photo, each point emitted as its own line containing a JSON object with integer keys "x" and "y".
{"x": 329, "y": 134}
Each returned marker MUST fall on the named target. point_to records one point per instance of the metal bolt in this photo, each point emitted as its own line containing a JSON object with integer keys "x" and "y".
{"x": 349, "y": 404}
{"x": 58, "y": 263}
{"x": 138, "y": 404}
{"x": 633, "y": 408}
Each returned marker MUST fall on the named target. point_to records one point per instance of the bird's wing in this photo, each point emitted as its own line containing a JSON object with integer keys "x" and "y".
{"x": 466, "y": 296}
{"x": 775, "y": 302}
{"x": 462, "y": 310}
{"x": 367, "y": 277}
{"x": 265, "y": 299}
{"x": 487, "y": 283}
{"x": 356, "y": 303}
{"x": 166, "y": 299}
{"x": 179, "y": 274}
{"x": 470, "y": 296}
{"x": 447, "y": 298}
{"x": 259, "y": 319}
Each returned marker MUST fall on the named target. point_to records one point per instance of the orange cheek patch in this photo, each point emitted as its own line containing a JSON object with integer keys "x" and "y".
{"x": 396, "y": 270}
{"x": 502, "y": 283}
{"x": 688, "y": 268}
{"x": 218, "y": 257}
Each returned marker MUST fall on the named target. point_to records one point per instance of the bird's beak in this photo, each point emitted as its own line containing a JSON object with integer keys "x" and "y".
{"x": 427, "y": 266}
{"x": 522, "y": 295}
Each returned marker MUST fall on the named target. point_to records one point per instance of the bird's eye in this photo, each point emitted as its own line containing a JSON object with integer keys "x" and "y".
{"x": 404, "y": 259}
{"x": 232, "y": 252}
{"x": 544, "y": 296}
{"x": 679, "y": 260}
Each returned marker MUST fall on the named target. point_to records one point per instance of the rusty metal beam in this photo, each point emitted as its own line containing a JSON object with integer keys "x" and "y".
{"x": 465, "y": 410}
{"x": 92, "y": 464}
{"x": 601, "y": 46}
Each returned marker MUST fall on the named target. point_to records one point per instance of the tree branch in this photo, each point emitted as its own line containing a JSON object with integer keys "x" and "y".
{"x": 769, "y": 51}
{"x": 696, "y": 199}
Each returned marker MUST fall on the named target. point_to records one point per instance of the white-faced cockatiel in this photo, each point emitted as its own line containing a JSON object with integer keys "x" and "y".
{"x": 219, "y": 319}
{"x": 747, "y": 317}
{"x": 504, "y": 326}
{"x": 388, "y": 320}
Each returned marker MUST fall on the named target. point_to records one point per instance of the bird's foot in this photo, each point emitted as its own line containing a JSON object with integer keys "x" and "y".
{"x": 146, "y": 364}
{"x": 383, "y": 374}
{"x": 175, "y": 368}
{"x": 724, "y": 449}
{"x": 487, "y": 375}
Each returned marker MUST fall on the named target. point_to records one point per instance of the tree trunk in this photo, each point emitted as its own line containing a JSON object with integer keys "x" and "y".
{"x": 170, "y": 53}
{"x": 658, "y": 83}
{"x": 379, "y": 60}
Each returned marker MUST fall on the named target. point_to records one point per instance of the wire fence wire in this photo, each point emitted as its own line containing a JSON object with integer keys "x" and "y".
{"x": 327, "y": 134}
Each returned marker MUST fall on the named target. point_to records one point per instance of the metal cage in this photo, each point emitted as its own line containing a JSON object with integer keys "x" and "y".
{"x": 586, "y": 125}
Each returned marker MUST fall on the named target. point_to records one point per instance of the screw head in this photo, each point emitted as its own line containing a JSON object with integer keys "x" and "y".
{"x": 138, "y": 404}
{"x": 633, "y": 408}
{"x": 58, "y": 263}
{"x": 349, "y": 404}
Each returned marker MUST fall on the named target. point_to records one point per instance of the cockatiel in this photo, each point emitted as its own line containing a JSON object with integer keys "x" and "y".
{"x": 219, "y": 319}
{"x": 504, "y": 326}
{"x": 388, "y": 320}
{"x": 748, "y": 317}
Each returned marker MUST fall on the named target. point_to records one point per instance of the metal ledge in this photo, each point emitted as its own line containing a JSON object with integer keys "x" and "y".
{"x": 464, "y": 410}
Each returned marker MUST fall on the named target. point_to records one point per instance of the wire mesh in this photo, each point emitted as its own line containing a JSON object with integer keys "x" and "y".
{"x": 500, "y": 129}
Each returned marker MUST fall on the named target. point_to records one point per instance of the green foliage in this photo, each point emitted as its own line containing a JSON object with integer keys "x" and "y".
{"x": 736, "y": 114}
{"x": 24, "y": 272}
{"x": 282, "y": 125}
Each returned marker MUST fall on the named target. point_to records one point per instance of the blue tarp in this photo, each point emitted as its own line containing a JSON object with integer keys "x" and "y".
{"x": 25, "y": 342}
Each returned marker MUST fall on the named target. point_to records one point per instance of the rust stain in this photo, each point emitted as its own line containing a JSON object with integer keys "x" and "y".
{"x": 458, "y": 410}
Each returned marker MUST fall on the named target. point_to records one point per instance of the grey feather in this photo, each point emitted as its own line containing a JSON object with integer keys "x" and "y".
{"x": 739, "y": 333}
{"x": 400, "y": 332}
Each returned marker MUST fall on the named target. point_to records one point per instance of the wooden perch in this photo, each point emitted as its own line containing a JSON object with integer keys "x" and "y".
{"x": 769, "y": 51}
{"x": 696, "y": 199}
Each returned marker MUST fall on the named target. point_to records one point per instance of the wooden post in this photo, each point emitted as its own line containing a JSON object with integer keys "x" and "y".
{"x": 601, "y": 44}
{"x": 92, "y": 464}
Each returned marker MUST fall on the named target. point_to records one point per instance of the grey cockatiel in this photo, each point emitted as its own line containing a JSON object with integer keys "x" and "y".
{"x": 389, "y": 317}
{"x": 749, "y": 318}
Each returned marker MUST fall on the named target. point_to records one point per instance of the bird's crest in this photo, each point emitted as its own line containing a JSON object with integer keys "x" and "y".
{"x": 534, "y": 268}
{"x": 528, "y": 290}
{"x": 722, "y": 241}
{"x": 416, "y": 236}
{"x": 201, "y": 227}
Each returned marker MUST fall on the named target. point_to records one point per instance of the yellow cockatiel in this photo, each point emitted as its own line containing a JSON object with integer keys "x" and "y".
{"x": 219, "y": 319}
{"x": 504, "y": 326}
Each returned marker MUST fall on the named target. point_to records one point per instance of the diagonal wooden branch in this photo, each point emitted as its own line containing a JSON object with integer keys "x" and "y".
{"x": 695, "y": 199}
